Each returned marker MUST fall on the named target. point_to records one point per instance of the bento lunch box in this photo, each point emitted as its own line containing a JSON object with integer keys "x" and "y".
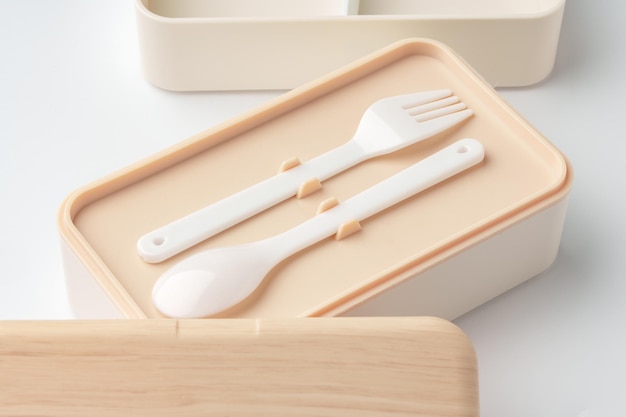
{"x": 189, "y": 45}
{"x": 440, "y": 253}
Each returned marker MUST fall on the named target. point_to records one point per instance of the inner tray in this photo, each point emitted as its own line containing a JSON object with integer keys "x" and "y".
{"x": 521, "y": 171}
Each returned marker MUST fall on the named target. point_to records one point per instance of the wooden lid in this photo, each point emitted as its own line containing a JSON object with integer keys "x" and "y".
{"x": 237, "y": 367}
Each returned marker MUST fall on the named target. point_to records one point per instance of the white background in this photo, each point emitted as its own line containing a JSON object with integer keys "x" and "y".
{"x": 75, "y": 107}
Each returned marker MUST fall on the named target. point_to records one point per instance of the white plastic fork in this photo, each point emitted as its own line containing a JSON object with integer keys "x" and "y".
{"x": 214, "y": 280}
{"x": 387, "y": 125}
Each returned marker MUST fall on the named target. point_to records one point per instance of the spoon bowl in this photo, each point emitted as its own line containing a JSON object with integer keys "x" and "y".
{"x": 210, "y": 282}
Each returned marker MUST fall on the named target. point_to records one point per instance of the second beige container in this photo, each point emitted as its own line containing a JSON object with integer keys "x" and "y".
{"x": 189, "y": 45}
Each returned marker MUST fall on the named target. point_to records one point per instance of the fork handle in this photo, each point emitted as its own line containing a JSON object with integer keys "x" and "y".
{"x": 179, "y": 235}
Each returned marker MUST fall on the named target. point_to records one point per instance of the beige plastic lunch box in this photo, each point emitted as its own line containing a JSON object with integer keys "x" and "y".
{"x": 440, "y": 253}
{"x": 273, "y": 44}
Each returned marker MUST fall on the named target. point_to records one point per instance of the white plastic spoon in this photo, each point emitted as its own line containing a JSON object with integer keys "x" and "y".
{"x": 217, "y": 279}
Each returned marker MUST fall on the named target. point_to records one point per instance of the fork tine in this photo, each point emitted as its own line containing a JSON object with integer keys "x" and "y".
{"x": 440, "y": 112}
{"x": 408, "y": 101}
{"x": 433, "y": 105}
{"x": 441, "y": 123}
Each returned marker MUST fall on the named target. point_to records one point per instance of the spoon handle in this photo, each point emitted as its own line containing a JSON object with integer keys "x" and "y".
{"x": 418, "y": 177}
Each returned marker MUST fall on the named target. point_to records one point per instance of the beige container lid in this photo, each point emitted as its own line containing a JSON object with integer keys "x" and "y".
{"x": 522, "y": 174}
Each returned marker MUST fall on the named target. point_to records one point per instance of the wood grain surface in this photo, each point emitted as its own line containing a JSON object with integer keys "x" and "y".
{"x": 411, "y": 366}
